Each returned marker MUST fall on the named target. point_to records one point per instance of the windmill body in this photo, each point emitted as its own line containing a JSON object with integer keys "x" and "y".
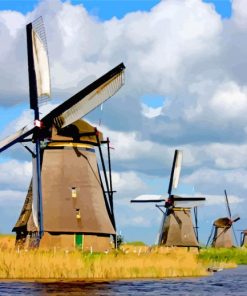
{"x": 177, "y": 227}
{"x": 73, "y": 201}
{"x": 222, "y": 232}
{"x": 68, "y": 202}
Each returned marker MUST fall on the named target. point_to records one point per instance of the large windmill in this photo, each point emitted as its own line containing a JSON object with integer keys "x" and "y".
{"x": 68, "y": 201}
{"x": 177, "y": 227}
{"x": 222, "y": 230}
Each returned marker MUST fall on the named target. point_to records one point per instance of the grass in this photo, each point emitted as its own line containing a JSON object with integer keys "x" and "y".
{"x": 234, "y": 255}
{"x": 131, "y": 261}
{"x": 135, "y": 243}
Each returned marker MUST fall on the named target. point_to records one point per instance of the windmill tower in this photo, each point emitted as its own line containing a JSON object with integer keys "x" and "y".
{"x": 177, "y": 227}
{"x": 221, "y": 234}
{"x": 68, "y": 201}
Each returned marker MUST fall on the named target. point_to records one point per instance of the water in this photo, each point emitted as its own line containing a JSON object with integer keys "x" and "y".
{"x": 227, "y": 282}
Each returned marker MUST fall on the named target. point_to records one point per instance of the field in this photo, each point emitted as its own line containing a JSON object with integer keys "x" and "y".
{"x": 132, "y": 261}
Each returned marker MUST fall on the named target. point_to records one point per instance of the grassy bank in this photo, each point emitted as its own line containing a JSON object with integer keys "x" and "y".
{"x": 132, "y": 261}
{"x": 236, "y": 255}
{"x": 78, "y": 265}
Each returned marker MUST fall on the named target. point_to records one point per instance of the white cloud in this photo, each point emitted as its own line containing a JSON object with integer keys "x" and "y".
{"x": 239, "y": 8}
{"x": 151, "y": 112}
{"x": 127, "y": 184}
{"x": 15, "y": 174}
{"x": 220, "y": 199}
{"x": 13, "y": 21}
{"x": 229, "y": 101}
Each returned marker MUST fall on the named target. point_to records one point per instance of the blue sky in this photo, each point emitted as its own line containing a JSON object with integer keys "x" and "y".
{"x": 105, "y": 9}
{"x": 184, "y": 90}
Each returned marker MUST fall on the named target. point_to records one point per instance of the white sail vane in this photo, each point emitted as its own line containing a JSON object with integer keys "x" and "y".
{"x": 177, "y": 169}
{"x": 91, "y": 101}
{"x": 38, "y": 64}
{"x": 149, "y": 198}
{"x": 16, "y": 137}
{"x": 41, "y": 66}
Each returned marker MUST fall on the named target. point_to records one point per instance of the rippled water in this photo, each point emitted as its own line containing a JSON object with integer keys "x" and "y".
{"x": 227, "y": 282}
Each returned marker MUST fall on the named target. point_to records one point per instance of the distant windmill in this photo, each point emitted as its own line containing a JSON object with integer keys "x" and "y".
{"x": 68, "y": 202}
{"x": 221, "y": 234}
{"x": 177, "y": 227}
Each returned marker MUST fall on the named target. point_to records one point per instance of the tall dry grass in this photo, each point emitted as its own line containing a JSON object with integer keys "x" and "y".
{"x": 7, "y": 241}
{"x": 38, "y": 264}
{"x": 132, "y": 261}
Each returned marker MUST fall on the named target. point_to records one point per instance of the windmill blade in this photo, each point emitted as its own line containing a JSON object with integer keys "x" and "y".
{"x": 77, "y": 106}
{"x": 235, "y": 219}
{"x": 210, "y": 235}
{"x": 227, "y": 205}
{"x": 87, "y": 99}
{"x": 234, "y": 234}
{"x": 38, "y": 63}
{"x": 175, "y": 173}
{"x": 17, "y": 137}
{"x": 196, "y": 222}
{"x": 188, "y": 202}
{"x": 148, "y": 198}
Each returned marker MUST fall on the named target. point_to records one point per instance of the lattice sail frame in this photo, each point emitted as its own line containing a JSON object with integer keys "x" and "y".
{"x": 38, "y": 64}
{"x": 90, "y": 101}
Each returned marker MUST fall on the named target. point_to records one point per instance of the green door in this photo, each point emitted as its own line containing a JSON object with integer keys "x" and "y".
{"x": 79, "y": 240}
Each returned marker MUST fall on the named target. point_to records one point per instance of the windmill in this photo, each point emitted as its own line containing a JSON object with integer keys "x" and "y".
{"x": 177, "y": 227}
{"x": 221, "y": 234}
{"x": 68, "y": 201}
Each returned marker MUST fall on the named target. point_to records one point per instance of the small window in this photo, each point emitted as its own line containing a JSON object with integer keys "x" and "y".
{"x": 73, "y": 192}
{"x": 78, "y": 214}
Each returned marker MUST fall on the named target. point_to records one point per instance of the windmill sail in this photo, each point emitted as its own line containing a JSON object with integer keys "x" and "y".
{"x": 97, "y": 92}
{"x": 188, "y": 202}
{"x": 149, "y": 198}
{"x": 227, "y": 205}
{"x": 93, "y": 96}
{"x": 38, "y": 64}
{"x": 176, "y": 168}
{"x": 16, "y": 137}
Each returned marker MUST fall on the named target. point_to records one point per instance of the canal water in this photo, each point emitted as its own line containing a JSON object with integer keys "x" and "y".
{"x": 227, "y": 282}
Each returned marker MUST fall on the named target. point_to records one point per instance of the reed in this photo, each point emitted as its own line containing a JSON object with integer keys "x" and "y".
{"x": 115, "y": 265}
{"x": 131, "y": 261}
{"x": 7, "y": 241}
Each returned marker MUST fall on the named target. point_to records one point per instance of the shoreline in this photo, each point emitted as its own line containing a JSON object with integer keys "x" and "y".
{"x": 87, "y": 280}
